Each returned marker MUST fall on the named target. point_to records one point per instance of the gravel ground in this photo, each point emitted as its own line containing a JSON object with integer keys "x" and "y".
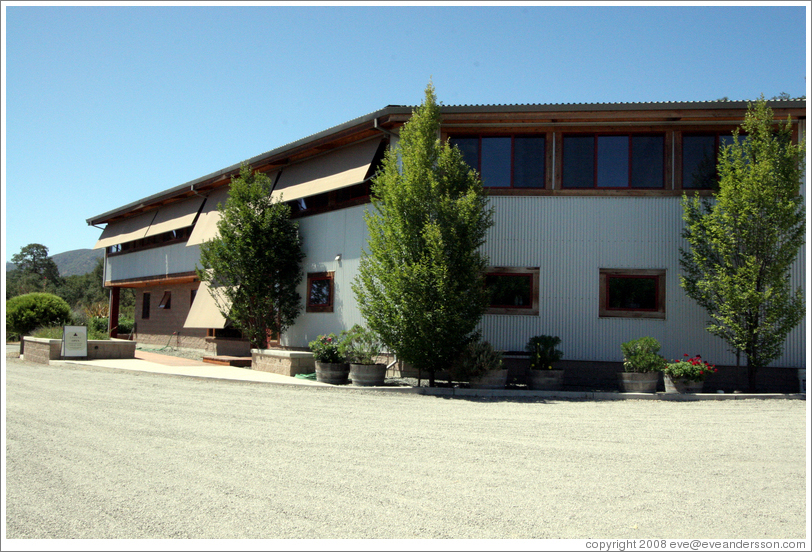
{"x": 96, "y": 453}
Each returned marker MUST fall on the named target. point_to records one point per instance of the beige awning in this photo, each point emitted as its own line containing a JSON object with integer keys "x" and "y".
{"x": 125, "y": 230}
{"x": 175, "y": 216}
{"x": 204, "y": 312}
{"x": 206, "y": 225}
{"x": 332, "y": 171}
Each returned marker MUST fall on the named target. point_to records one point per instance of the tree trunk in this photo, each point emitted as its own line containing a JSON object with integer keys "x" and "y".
{"x": 751, "y": 376}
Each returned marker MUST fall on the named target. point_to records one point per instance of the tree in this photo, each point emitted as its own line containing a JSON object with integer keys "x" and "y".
{"x": 421, "y": 284}
{"x": 254, "y": 265}
{"x": 743, "y": 243}
{"x": 35, "y": 272}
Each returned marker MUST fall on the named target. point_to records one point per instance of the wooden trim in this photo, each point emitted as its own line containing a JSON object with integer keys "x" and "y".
{"x": 320, "y": 276}
{"x": 534, "y": 273}
{"x": 147, "y": 281}
{"x": 605, "y": 312}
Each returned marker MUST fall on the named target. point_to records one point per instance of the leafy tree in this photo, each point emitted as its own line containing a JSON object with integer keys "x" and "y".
{"x": 743, "y": 243}
{"x": 421, "y": 284}
{"x": 35, "y": 272}
{"x": 255, "y": 262}
{"x": 25, "y": 313}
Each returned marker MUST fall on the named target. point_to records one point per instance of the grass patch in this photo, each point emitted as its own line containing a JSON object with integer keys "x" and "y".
{"x": 55, "y": 332}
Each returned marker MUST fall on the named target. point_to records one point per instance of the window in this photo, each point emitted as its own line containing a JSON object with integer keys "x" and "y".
{"x": 513, "y": 290}
{"x": 614, "y": 161}
{"x": 192, "y": 296}
{"x": 632, "y": 293}
{"x": 166, "y": 301}
{"x": 145, "y": 306}
{"x": 320, "y": 292}
{"x": 505, "y": 161}
{"x": 699, "y": 159}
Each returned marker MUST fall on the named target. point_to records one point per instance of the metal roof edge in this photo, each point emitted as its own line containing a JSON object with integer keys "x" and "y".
{"x": 405, "y": 109}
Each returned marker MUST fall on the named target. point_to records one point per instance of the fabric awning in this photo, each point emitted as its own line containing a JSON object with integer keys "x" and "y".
{"x": 204, "y": 312}
{"x": 332, "y": 171}
{"x": 175, "y": 216}
{"x": 125, "y": 230}
{"x": 206, "y": 225}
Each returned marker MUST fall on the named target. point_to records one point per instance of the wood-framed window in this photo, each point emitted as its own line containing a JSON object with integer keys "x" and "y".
{"x": 614, "y": 161}
{"x": 632, "y": 293}
{"x": 700, "y": 157}
{"x": 513, "y": 290}
{"x": 505, "y": 161}
{"x": 145, "y": 299}
{"x": 320, "y": 292}
{"x": 166, "y": 301}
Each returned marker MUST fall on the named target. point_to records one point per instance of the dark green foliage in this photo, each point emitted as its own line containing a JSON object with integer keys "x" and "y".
{"x": 543, "y": 352}
{"x": 255, "y": 262}
{"x": 360, "y": 345}
{"x": 476, "y": 359}
{"x": 421, "y": 283}
{"x": 32, "y": 310}
{"x": 326, "y": 349}
{"x": 743, "y": 243}
{"x": 641, "y": 355}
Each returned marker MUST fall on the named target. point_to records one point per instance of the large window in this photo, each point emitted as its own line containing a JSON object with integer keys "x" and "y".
{"x": 699, "y": 158}
{"x": 145, "y": 306}
{"x": 320, "y": 292}
{"x": 513, "y": 290}
{"x": 632, "y": 293}
{"x": 614, "y": 161}
{"x": 515, "y": 161}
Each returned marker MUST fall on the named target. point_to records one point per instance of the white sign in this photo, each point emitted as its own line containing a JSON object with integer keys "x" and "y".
{"x": 74, "y": 341}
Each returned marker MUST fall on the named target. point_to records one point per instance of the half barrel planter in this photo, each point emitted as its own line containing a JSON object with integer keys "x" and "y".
{"x": 638, "y": 382}
{"x": 545, "y": 380}
{"x": 367, "y": 375}
{"x": 681, "y": 385}
{"x": 335, "y": 374}
{"x": 494, "y": 379}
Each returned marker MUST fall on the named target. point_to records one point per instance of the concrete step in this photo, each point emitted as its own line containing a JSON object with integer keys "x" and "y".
{"x": 240, "y": 362}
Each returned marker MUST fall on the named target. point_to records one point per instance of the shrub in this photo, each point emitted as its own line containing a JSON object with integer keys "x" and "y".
{"x": 640, "y": 355}
{"x": 692, "y": 369}
{"x": 125, "y": 325}
{"x": 32, "y": 310}
{"x": 477, "y": 359}
{"x": 360, "y": 346}
{"x": 325, "y": 349}
{"x": 543, "y": 352}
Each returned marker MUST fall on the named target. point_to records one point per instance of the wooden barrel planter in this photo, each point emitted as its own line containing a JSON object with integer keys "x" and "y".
{"x": 335, "y": 374}
{"x": 494, "y": 379}
{"x": 545, "y": 380}
{"x": 638, "y": 382}
{"x": 367, "y": 375}
{"x": 681, "y": 385}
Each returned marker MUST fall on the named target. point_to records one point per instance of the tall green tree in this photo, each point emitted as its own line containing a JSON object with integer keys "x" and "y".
{"x": 35, "y": 272}
{"x": 255, "y": 263}
{"x": 420, "y": 285}
{"x": 743, "y": 242}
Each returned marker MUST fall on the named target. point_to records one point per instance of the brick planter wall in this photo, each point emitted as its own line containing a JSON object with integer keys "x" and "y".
{"x": 278, "y": 361}
{"x": 42, "y": 351}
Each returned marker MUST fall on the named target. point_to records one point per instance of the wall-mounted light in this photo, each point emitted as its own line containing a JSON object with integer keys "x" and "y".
{"x": 338, "y": 257}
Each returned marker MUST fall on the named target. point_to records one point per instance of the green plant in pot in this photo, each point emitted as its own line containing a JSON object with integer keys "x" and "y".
{"x": 543, "y": 355}
{"x": 362, "y": 347}
{"x": 641, "y": 364}
{"x": 686, "y": 375}
{"x": 330, "y": 363}
{"x": 481, "y": 366}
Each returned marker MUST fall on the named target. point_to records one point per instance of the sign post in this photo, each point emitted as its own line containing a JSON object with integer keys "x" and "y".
{"x": 74, "y": 341}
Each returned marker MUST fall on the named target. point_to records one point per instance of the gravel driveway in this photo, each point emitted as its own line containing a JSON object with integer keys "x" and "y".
{"x": 95, "y": 453}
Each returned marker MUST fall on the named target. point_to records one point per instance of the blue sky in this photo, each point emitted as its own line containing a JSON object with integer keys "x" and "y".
{"x": 105, "y": 105}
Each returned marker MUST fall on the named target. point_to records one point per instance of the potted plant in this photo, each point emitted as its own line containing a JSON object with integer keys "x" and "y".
{"x": 361, "y": 347}
{"x": 641, "y": 365}
{"x": 686, "y": 375}
{"x": 481, "y": 366}
{"x": 543, "y": 355}
{"x": 330, "y": 364}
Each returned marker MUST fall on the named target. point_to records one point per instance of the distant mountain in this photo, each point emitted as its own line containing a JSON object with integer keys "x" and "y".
{"x": 76, "y": 262}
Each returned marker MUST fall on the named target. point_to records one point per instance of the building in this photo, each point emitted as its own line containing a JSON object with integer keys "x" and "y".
{"x": 585, "y": 243}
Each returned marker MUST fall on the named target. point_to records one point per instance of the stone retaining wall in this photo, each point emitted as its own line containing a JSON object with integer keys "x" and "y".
{"x": 42, "y": 351}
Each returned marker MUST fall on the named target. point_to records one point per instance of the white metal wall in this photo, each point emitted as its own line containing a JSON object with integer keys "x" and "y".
{"x": 570, "y": 239}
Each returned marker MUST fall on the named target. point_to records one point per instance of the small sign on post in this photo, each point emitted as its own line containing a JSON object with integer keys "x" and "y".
{"x": 74, "y": 341}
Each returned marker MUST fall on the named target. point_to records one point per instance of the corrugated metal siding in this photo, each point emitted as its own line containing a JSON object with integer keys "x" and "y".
{"x": 158, "y": 261}
{"x": 570, "y": 239}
